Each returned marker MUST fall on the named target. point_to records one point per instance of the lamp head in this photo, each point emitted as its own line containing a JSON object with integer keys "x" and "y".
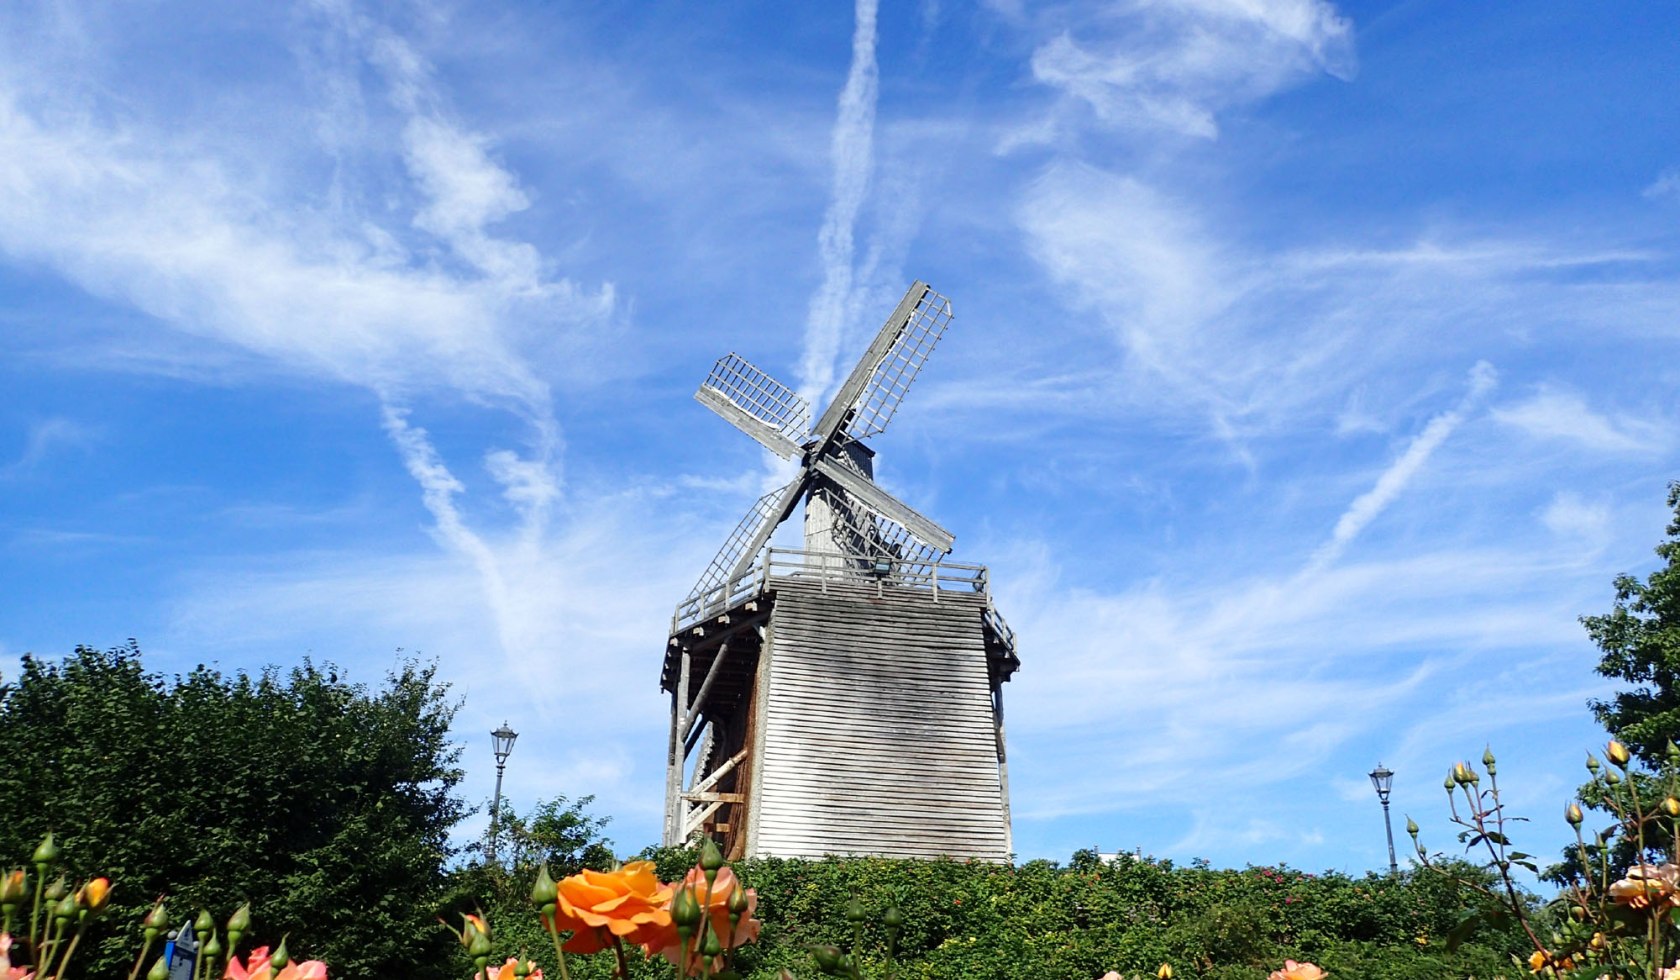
{"x": 1383, "y": 780}
{"x": 502, "y": 741}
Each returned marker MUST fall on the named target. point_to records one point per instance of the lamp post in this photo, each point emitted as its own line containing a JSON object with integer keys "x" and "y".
{"x": 501, "y": 741}
{"x": 1383, "y": 780}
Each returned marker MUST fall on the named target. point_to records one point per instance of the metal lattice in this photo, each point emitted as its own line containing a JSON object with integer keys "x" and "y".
{"x": 765, "y": 509}
{"x": 904, "y": 360}
{"x": 862, "y": 533}
{"x": 761, "y": 396}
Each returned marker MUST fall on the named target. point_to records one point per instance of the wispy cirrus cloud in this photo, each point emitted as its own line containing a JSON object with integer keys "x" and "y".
{"x": 1253, "y": 339}
{"x": 1246, "y": 654}
{"x": 412, "y": 296}
{"x": 46, "y": 437}
{"x": 142, "y": 220}
{"x": 1150, "y": 66}
{"x": 1554, "y": 413}
{"x": 1569, "y": 513}
{"x": 1667, "y": 185}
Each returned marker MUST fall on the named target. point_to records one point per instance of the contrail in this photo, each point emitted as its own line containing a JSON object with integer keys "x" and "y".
{"x": 1372, "y": 502}
{"x": 853, "y": 148}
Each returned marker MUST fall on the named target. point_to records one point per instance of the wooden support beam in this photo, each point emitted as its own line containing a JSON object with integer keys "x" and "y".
{"x": 1003, "y": 765}
{"x": 695, "y": 819}
{"x": 673, "y": 773}
{"x": 715, "y": 797}
{"x": 692, "y": 739}
{"x": 673, "y": 776}
{"x": 718, "y": 773}
{"x": 705, "y": 688}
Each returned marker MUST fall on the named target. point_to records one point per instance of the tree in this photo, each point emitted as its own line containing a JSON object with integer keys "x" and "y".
{"x": 324, "y": 804}
{"x": 1640, "y": 638}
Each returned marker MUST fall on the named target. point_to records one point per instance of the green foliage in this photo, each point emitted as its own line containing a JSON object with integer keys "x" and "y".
{"x": 1640, "y": 638}
{"x": 324, "y": 804}
{"x": 1039, "y": 920}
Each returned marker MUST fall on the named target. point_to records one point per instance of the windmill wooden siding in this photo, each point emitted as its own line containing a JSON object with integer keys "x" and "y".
{"x": 877, "y": 728}
{"x": 846, "y": 713}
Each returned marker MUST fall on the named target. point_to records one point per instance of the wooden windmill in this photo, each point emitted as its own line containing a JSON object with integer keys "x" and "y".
{"x": 845, "y": 698}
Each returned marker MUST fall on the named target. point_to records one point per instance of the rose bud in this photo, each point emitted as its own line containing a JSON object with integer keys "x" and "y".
{"x": 545, "y": 892}
{"x": 46, "y": 854}
{"x": 94, "y": 895}
{"x": 156, "y": 921}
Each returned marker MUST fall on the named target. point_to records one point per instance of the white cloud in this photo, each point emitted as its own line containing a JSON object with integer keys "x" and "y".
{"x": 1561, "y": 414}
{"x": 1191, "y": 315}
{"x": 1571, "y": 515}
{"x": 1343, "y": 337}
{"x": 1176, "y": 66}
{"x": 1666, "y": 185}
{"x": 465, "y": 189}
{"x": 139, "y": 220}
{"x": 1291, "y": 666}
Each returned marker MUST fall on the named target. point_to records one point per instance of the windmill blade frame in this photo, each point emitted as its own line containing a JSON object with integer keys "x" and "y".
{"x": 740, "y": 418}
{"x": 885, "y": 504}
{"x": 747, "y": 397}
{"x": 898, "y": 368}
{"x": 872, "y": 537}
{"x": 858, "y": 381}
{"x": 749, "y": 537}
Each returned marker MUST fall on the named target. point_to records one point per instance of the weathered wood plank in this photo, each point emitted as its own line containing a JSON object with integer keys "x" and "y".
{"x": 879, "y": 736}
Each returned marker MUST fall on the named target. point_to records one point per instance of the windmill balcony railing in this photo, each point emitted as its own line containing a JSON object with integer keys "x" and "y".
{"x": 929, "y": 578}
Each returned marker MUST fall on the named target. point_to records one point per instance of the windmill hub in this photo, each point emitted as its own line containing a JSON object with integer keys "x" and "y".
{"x": 845, "y": 698}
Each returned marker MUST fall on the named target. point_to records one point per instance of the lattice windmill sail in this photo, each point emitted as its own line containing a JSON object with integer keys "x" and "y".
{"x": 844, "y": 698}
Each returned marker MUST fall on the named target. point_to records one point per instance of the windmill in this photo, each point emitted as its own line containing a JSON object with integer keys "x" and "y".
{"x": 846, "y": 697}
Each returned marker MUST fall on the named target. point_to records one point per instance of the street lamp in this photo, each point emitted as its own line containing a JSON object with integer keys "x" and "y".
{"x": 1383, "y": 780}
{"x": 501, "y": 741}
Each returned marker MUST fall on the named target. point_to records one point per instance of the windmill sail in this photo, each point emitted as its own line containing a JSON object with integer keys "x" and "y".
{"x": 898, "y": 368}
{"x": 869, "y": 535}
{"x": 757, "y": 404}
{"x": 756, "y": 525}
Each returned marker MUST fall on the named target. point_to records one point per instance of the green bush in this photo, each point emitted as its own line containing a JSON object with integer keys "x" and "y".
{"x": 325, "y": 804}
{"x": 1040, "y": 920}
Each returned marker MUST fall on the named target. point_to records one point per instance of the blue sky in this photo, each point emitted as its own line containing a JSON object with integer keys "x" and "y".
{"x": 1313, "y": 366}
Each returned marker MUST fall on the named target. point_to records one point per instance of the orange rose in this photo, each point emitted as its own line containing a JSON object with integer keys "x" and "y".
{"x": 1648, "y": 885}
{"x": 1298, "y": 971}
{"x": 665, "y": 942}
{"x": 626, "y": 903}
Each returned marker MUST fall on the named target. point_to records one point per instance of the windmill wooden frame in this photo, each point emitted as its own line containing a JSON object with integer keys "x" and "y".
{"x": 846, "y": 697}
